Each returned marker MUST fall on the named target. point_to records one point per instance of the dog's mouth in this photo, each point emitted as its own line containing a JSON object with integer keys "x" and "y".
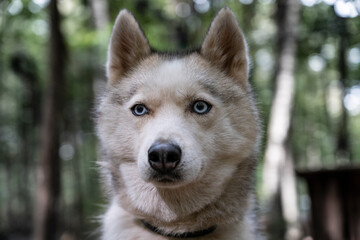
{"x": 166, "y": 178}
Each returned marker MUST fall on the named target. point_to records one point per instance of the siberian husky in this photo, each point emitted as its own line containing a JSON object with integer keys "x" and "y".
{"x": 179, "y": 135}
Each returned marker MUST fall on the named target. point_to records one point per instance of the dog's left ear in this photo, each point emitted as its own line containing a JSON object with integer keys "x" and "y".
{"x": 225, "y": 46}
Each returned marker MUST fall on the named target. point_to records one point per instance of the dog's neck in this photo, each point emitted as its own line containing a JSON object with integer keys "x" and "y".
{"x": 180, "y": 235}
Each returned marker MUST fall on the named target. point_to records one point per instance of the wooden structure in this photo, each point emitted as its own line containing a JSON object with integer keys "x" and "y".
{"x": 335, "y": 203}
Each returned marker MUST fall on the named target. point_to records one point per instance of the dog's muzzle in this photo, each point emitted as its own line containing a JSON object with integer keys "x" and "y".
{"x": 164, "y": 157}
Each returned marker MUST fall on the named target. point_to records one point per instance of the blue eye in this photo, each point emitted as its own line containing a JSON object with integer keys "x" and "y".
{"x": 139, "y": 110}
{"x": 201, "y": 107}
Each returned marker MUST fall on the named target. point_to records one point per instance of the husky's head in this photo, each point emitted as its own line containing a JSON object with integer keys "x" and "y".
{"x": 169, "y": 121}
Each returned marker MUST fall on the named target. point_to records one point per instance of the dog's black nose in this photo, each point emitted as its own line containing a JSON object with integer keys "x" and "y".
{"x": 164, "y": 156}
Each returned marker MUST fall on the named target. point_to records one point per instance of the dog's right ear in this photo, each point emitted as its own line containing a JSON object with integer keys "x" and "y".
{"x": 128, "y": 45}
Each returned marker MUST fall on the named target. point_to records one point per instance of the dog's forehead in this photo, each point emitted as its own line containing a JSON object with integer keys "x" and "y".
{"x": 171, "y": 74}
{"x": 163, "y": 77}
{"x": 170, "y": 78}
{"x": 168, "y": 67}
{"x": 190, "y": 75}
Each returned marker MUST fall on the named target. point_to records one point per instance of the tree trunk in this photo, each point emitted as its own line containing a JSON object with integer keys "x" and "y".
{"x": 48, "y": 175}
{"x": 23, "y": 66}
{"x": 342, "y": 150}
{"x": 100, "y": 13}
{"x": 278, "y": 166}
{"x": 101, "y": 21}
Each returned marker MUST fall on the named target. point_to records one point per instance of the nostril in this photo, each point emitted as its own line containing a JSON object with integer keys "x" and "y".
{"x": 154, "y": 155}
{"x": 173, "y": 154}
{"x": 163, "y": 156}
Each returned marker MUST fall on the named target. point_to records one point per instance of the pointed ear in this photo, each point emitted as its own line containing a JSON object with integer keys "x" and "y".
{"x": 225, "y": 46}
{"x": 127, "y": 47}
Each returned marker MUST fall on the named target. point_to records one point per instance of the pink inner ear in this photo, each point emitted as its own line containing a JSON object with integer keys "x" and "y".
{"x": 128, "y": 46}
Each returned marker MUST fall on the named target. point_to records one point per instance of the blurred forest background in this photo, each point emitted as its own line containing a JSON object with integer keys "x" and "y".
{"x": 305, "y": 71}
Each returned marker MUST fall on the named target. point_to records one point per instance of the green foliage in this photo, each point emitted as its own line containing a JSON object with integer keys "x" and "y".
{"x": 24, "y": 32}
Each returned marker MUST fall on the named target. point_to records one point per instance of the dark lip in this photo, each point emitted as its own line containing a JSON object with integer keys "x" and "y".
{"x": 166, "y": 178}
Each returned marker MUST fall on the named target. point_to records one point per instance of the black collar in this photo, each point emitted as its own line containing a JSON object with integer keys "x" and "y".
{"x": 179, "y": 235}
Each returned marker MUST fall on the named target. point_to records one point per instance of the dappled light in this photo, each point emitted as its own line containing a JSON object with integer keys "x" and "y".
{"x": 304, "y": 68}
{"x": 202, "y": 6}
{"x": 15, "y": 7}
{"x": 316, "y": 63}
{"x": 343, "y": 8}
{"x": 352, "y": 100}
